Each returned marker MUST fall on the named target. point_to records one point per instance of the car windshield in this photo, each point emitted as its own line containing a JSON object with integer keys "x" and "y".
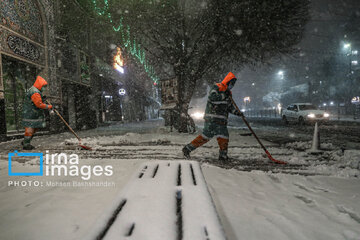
{"x": 307, "y": 107}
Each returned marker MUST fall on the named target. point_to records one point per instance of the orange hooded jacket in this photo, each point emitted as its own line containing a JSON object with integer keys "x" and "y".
{"x": 224, "y": 84}
{"x": 36, "y": 97}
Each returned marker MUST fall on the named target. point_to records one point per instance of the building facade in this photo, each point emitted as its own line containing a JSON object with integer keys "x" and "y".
{"x": 26, "y": 39}
{"x": 58, "y": 38}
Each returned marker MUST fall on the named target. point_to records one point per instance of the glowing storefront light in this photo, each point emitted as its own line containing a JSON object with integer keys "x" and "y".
{"x": 129, "y": 43}
{"x": 118, "y": 61}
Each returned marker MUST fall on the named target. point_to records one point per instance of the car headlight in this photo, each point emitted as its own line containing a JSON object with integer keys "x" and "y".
{"x": 326, "y": 115}
{"x": 198, "y": 115}
{"x": 311, "y": 115}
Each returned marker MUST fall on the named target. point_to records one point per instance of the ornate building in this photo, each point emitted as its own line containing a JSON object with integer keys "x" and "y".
{"x": 26, "y": 39}
{"x": 59, "y": 38}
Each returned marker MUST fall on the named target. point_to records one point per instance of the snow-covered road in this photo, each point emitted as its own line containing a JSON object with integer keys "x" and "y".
{"x": 255, "y": 200}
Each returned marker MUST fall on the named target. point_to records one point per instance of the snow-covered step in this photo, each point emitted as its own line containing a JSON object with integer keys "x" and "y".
{"x": 164, "y": 200}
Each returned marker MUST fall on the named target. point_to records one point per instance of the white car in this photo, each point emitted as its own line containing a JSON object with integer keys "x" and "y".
{"x": 303, "y": 113}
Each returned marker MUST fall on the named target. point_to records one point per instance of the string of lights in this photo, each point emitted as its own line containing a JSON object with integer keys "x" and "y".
{"x": 132, "y": 47}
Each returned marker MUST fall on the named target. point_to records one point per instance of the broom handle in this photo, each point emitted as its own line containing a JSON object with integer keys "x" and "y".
{"x": 65, "y": 122}
{"x": 248, "y": 125}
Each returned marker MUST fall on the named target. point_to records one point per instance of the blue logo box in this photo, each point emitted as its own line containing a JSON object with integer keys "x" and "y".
{"x": 16, "y": 154}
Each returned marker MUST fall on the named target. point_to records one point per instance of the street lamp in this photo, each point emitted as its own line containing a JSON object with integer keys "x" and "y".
{"x": 281, "y": 81}
{"x": 351, "y": 52}
{"x": 281, "y": 74}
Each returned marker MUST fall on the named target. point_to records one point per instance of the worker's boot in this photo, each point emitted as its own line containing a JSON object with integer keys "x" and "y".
{"x": 26, "y": 143}
{"x": 223, "y": 145}
{"x": 223, "y": 157}
{"x": 187, "y": 150}
{"x": 197, "y": 142}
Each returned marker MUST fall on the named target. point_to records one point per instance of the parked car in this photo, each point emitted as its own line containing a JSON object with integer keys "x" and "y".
{"x": 303, "y": 113}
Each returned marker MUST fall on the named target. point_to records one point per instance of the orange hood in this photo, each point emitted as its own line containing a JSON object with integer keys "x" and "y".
{"x": 224, "y": 84}
{"x": 40, "y": 82}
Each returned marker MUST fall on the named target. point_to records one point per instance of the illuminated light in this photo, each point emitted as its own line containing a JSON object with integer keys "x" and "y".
{"x": 122, "y": 91}
{"x": 118, "y": 61}
{"x": 347, "y": 45}
{"x": 243, "y": 110}
{"x": 311, "y": 115}
{"x": 331, "y": 103}
{"x": 130, "y": 45}
{"x": 279, "y": 107}
{"x": 247, "y": 99}
{"x": 198, "y": 115}
{"x": 119, "y": 69}
{"x": 354, "y": 62}
{"x": 108, "y": 96}
{"x": 326, "y": 115}
{"x": 253, "y": 84}
{"x": 355, "y": 100}
{"x": 355, "y": 52}
{"x": 324, "y": 104}
{"x": 281, "y": 74}
{"x": 100, "y": 11}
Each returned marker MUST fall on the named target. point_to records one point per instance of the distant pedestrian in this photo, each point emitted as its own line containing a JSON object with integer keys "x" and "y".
{"x": 218, "y": 106}
{"x": 33, "y": 111}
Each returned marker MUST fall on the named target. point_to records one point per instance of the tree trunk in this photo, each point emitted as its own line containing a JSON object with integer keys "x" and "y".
{"x": 186, "y": 90}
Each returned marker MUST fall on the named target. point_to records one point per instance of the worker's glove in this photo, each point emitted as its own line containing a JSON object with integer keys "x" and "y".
{"x": 49, "y": 107}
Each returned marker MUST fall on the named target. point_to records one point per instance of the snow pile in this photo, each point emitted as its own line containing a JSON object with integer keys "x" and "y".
{"x": 297, "y": 160}
{"x": 261, "y": 205}
{"x": 335, "y": 171}
{"x": 119, "y": 140}
{"x": 352, "y": 158}
{"x": 302, "y": 146}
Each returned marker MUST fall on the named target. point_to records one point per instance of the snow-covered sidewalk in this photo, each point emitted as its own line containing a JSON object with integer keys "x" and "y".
{"x": 261, "y": 206}
{"x": 251, "y": 204}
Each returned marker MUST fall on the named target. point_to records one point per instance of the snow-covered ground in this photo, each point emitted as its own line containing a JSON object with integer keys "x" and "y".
{"x": 259, "y": 205}
{"x": 315, "y": 197}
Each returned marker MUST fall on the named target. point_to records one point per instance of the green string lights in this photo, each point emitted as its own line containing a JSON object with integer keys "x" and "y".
{"x": 99, "y": 10}
{"x": 131, "y": 46}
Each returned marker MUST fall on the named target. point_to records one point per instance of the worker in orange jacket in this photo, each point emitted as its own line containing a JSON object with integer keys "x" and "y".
{"x": 218, "y": 107}
{"x": 33, "y": 111}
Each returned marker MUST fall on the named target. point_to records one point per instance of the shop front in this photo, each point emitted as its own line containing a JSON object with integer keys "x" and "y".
{"x": 23, "y": 55}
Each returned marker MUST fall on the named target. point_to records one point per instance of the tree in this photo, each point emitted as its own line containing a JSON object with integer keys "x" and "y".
{"x": 189, "y": 38}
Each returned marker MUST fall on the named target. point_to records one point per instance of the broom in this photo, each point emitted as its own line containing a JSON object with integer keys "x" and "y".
{"x": 252, "y": 131}
{"x": 71, "y": 130}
